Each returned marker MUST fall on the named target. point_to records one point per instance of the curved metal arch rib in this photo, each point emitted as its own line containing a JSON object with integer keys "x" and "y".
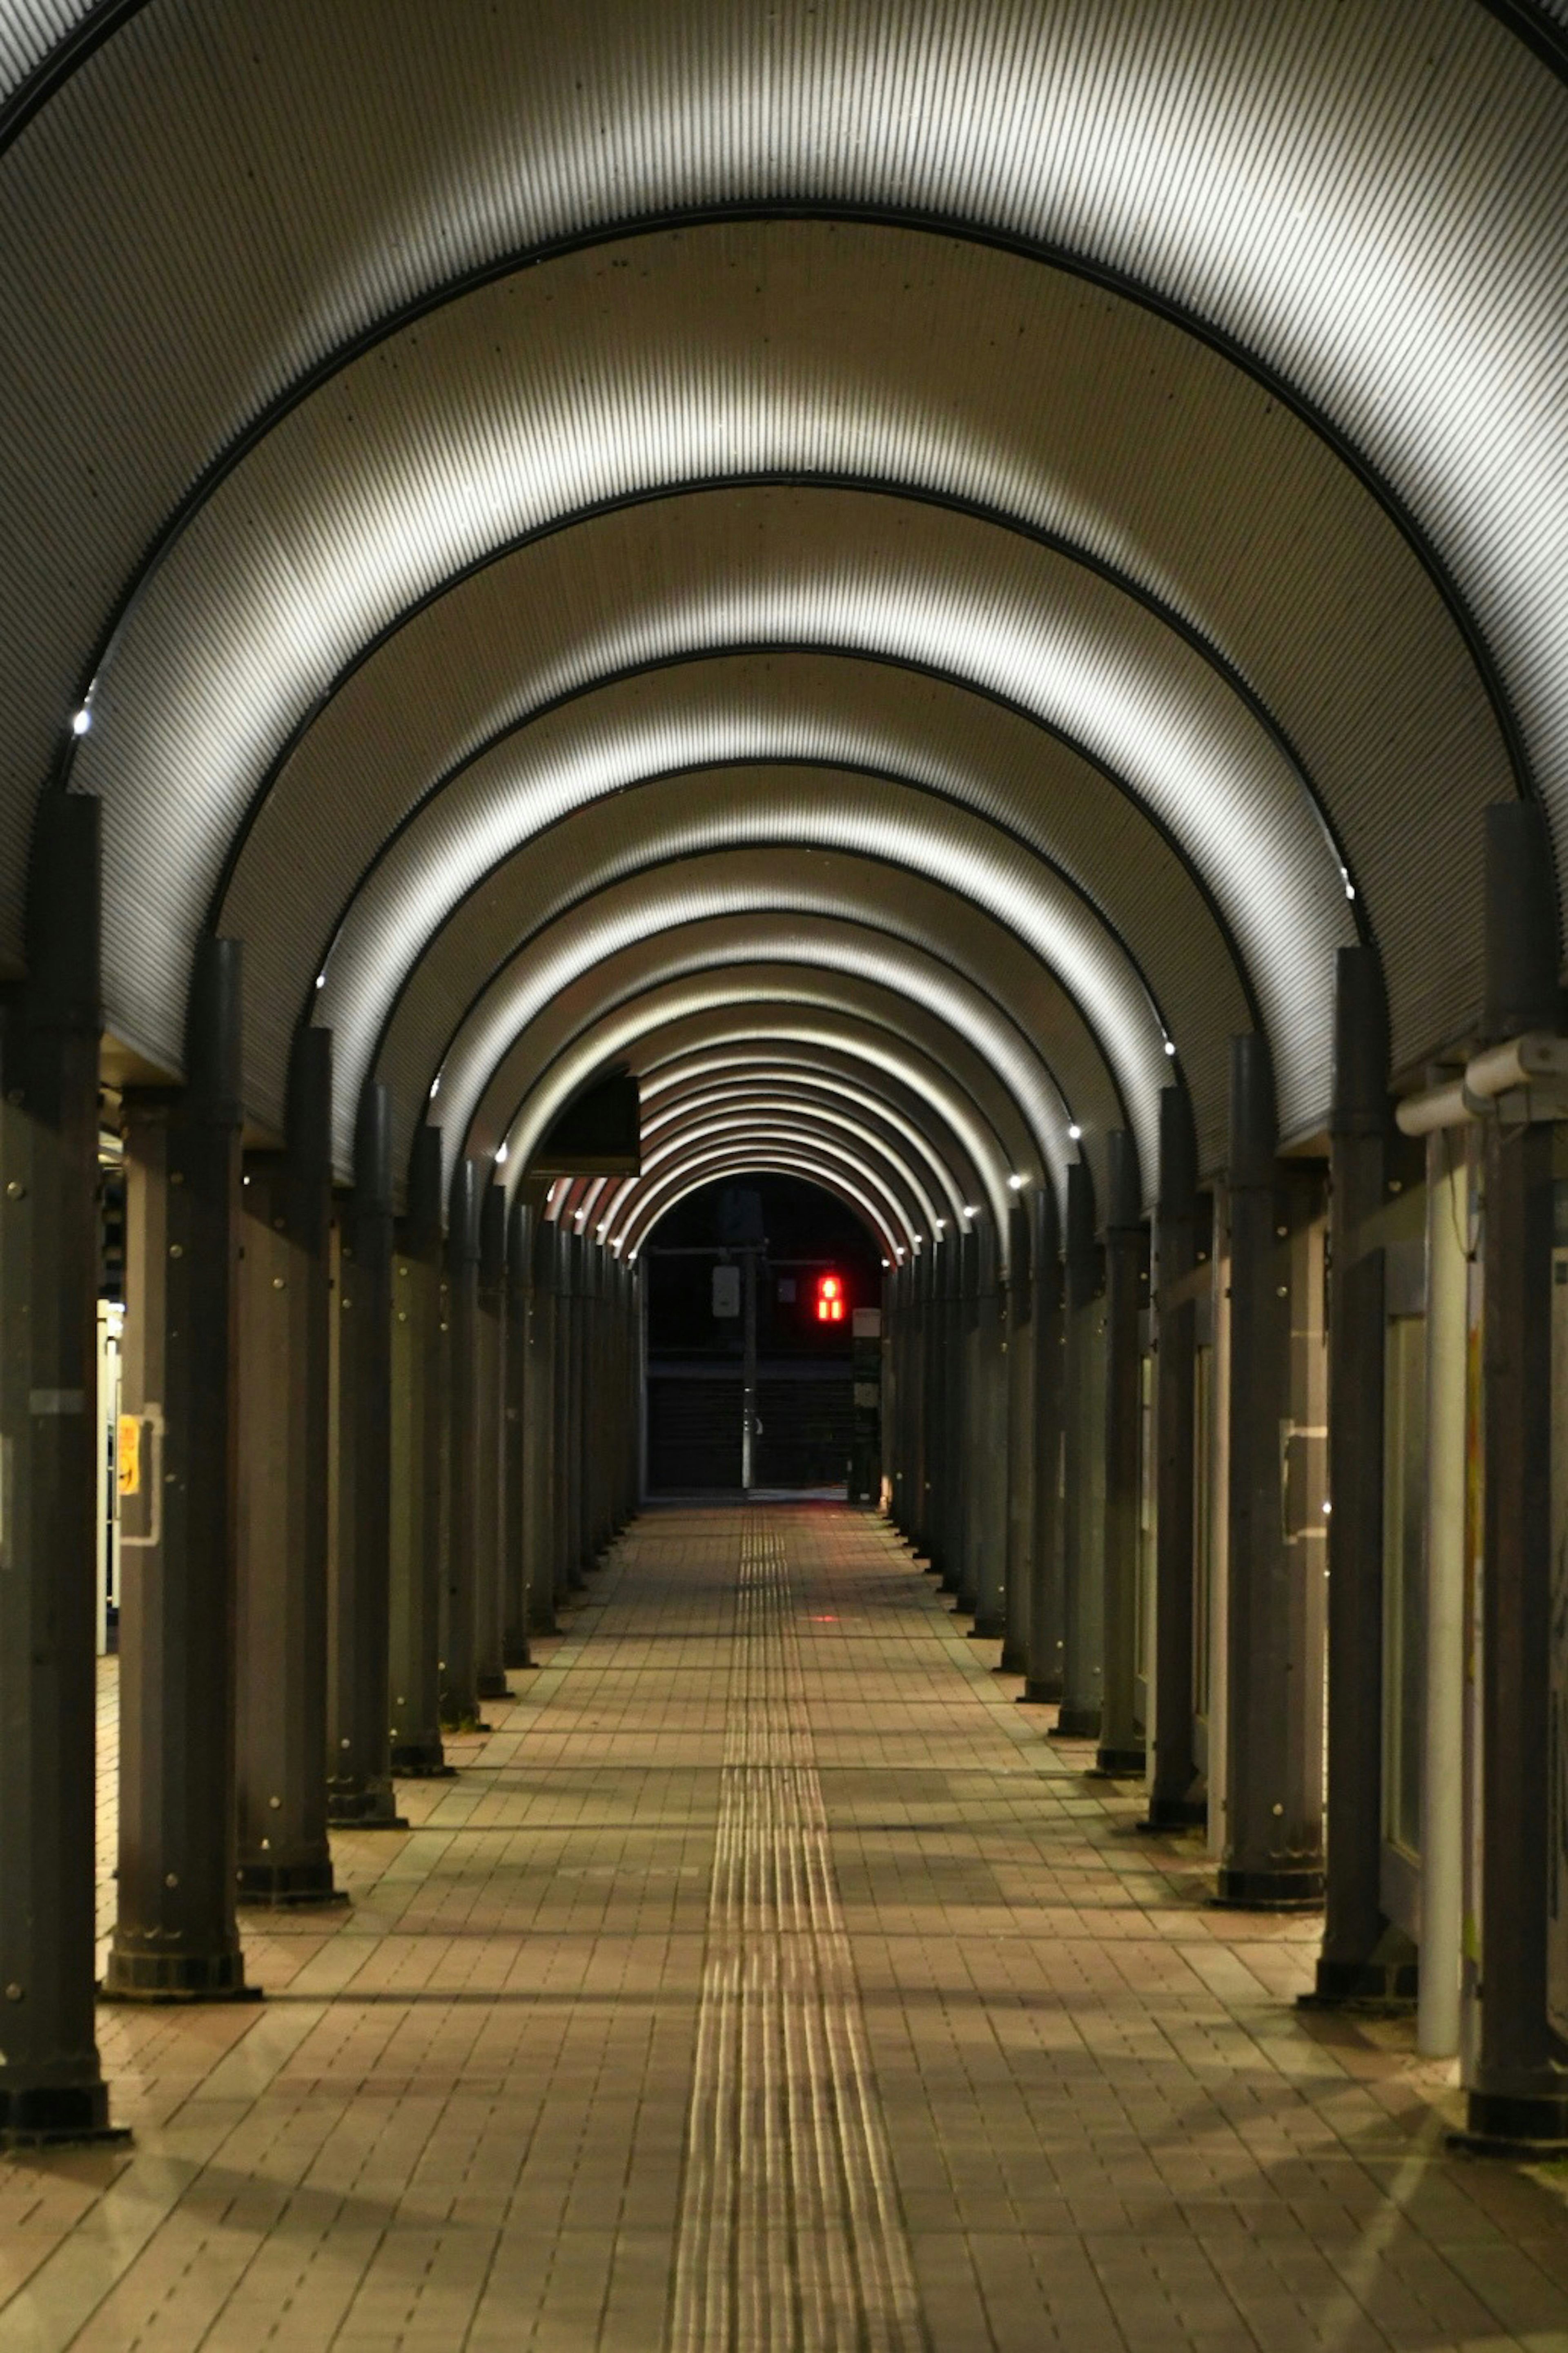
{"x": 776, "y": 1088}
{"x": 882, "y": 1033}
{"x": 760, "y": 804}
{"x": 783, "y": 1124}
{"x": 897, "y": 1216}
{"x": 513, "y": 1032}
{"x": 708, "y": 1065}
{"x": 770, "y": 1163}
{"x": 1106, "y": 1082}
{"x": 1311, "y": 340}
{"x": 926, "y": 587}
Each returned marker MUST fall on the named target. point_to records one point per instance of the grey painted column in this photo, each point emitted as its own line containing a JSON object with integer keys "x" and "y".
{"x": 285, "y": 1306}
{"x": 1272, "y": 1857}
{"x": 489, "y": 1557}
{"x": 51, "y": 2083}
{"x": 1363, "y": 1955}
{"x": 515, "y": 1651}
{"x": 418, "y": 1445}
{"x": 987, "y": 1450}
{"x": 359, "y": 1583}
{"x": 1175, "y": 1789}
{"x": 951, "y": 1417}
{"x": 543, "y": 1467}
{"x": 569, "y": 1576}
{"x": 1019, "y": 1312}
{"x": 460, "y": 1694}
{"x": 1083, "y": 1588}
{"x": 1515, "y": 2067}
{"x": 175, "y": 1938}
{"x": 1043, "y": 1665}
{"x": 1120, "y": 1742}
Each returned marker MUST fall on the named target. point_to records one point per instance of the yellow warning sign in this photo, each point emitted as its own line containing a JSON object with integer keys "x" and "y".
{"x": 127, "y": 1455}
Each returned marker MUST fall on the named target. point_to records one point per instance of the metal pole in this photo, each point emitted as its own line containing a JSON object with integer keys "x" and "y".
{"x": 1043, "y": 1668}
{"x": 1121, "y": 1750}
{"x": 359, "y": 1746}
{"x": 460, "y": 1694}
{"x": 1273, "y": 1853}
{"x": 1083, "y": 1608}
{"x": 1019, "y": 1323}
{"x": 284, "y": 1857}
{"x": 416, "y": 1470}
{"x": 51, "y": 2082}
{"x": 515, "y": 1651}
{"x": 489, "y": 1536}
{"x": 1175, "y": 1800}
{"x": 174, "y": 1938}
{"x": 1443, "y": 1723}
{"x": 1364, "y": 1956}
{"x": 1515, "y": 2061}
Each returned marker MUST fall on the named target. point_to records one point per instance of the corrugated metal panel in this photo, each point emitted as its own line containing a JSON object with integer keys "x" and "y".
{"x": 653, "y": 361}
{"x": 662, "y": 928}
{"x": 934, "y": 586}
{"x": 908, "y": 1210}
{"x": 941, "y": 1192}
{"x": 29, "y": 30}
{"x": 713, "y": 1071}
{"x": 1373, "y": 198}
{"x": 720, "y": 1019}
{"x": 590, "y": 1023}
{"x": 655, "y": 1201}
{"x": 899, "y": 839}
{"x": 804, "y": 707}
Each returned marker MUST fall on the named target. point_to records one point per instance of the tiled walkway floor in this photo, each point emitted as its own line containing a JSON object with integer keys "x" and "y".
{"x": 767, "y": 1980}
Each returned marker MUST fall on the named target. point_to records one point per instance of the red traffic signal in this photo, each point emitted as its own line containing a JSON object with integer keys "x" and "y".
{"x": 829, "y": 1299}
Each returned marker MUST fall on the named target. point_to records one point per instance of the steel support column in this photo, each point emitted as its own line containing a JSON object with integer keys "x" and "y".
{"x": 490, "y": 1403}
{"x": 541, "y": 1465}
{"x": 514, "y": 1441}
{"x": 1273, "y": 1852}
{"x": 459, "y": 1694}
{"x": 1083, "y": 1500}
{"x": 1364, "y": 1956}
{"x": 1515, "y": 2064}
{"x": 1176, "y": 1799}
{"x": 418, "y": 1446}
{"x": 359, "y": 1583}
{"x": 1043, "y": 1666}
{"x": 175, "y": 1936}
{"x": 987, "y": 1448}
{"x": 1121, "y": 1748}
{"x": 51, "y": 2083}
{"x": 1018, "y": 1324}
{"x": 285, "y": 1443}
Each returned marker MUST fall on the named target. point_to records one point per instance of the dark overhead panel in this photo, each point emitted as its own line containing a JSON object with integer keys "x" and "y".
{"x": 599, "y": 1134}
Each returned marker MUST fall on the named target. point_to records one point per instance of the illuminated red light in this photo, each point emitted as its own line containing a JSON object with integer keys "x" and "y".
{"x": 830, "y": 1299}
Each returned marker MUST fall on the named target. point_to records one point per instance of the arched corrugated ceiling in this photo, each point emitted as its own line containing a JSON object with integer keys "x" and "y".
{"x": 699, "y": 1071}
{"x": 647, "y": 934}
{"x": 408, "y": 407}
{"x": 672, "y": 1109}
{"x": 766, "y": 1161}
{"x": 509, "y": 950}
{"x": 779, "y": 1008}
{"x": 779, "y": 1121}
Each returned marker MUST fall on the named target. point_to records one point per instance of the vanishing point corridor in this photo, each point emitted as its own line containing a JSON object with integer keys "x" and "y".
{"x": 767, "y": 1978}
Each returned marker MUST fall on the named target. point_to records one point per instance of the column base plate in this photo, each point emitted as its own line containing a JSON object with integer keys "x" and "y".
{"x": 57, "y": 2116}
{"x": 1525, "y": 2127}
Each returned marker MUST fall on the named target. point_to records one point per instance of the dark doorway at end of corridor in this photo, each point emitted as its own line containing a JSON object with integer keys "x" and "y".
{"x": 754, "y": 1291}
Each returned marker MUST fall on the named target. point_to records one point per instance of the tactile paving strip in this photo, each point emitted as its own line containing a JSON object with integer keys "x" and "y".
{"x": 790, "y": 2239}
